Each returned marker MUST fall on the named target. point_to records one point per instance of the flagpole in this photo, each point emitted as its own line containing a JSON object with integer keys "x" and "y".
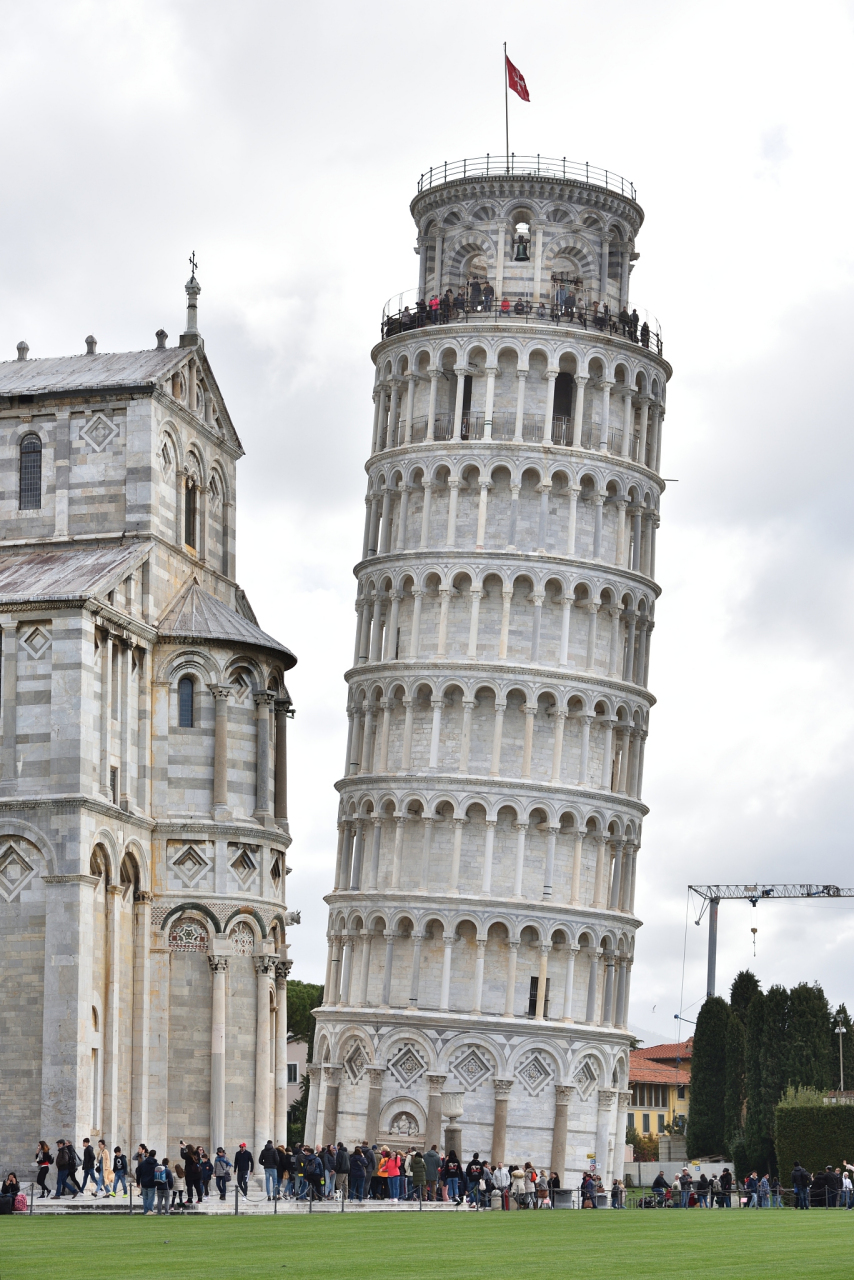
{"x": 506, "y": 111}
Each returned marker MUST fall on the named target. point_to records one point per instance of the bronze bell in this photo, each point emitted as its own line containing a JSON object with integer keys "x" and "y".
{"x": 521, "y": 250}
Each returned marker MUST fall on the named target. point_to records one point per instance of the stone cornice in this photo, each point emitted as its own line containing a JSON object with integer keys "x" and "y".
{"x": 481, "y": 1023}
{"x": 482, "y": 904}
{"x": 535, "y": 330}
{"x": 440, "y": 555}
{"x": 473, "y": 785}
{"x": 484, "y": 670}
{"x": 70, "y": 803}
{"x": 195, "y": 827}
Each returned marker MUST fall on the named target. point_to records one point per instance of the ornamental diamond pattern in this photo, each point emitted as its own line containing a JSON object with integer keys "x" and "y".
{"x": 15, "y": 872}
{"x": 586, "y": 1078}
{"x": 535, "y": 1074}
{"x": 36, "y": 642}
{"x": 471, "y": 1069}
{"x": 408, "y": 1065}
{"x": 98, "y": 432}
{"x": 355, "y": 1062}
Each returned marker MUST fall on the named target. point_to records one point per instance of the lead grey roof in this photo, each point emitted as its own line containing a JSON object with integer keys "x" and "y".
{"x": 58, "y": 575}
{"x": 78, "y": 373}
{"x": 194, "y": 614}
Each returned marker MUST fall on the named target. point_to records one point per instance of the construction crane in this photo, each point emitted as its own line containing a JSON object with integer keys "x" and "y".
{"x": 713, "y": 895}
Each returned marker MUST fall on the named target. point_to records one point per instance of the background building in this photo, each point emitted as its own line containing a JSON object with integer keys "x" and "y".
{"x": 143, "y": 814}
{"x": 482, "y": 926}
{"x": 660, "y": 1085}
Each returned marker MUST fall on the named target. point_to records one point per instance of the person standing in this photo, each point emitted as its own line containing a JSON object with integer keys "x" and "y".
{"x": 342, "y": 1171}
{"x": 179, "y": 1186}
{"x": 243, "y": 1166}
{"x": 44, "y": 1160}
{"x": 120, "y": 1171}
{"x": 205, "y": 1172}
{"x": 726, "y": 1188}
{"x": 327, "y": 1158}
{"x": 474, "y": 1173}
{"x": 192, "y": 1177}
{"x": 357, "y": 1175}
{"x": 269, "y": 1162}
{"x": 103, "y": 1170}
{"x": 419, "y": 1175}
{"x": 488, "y": 295}
{"x": 764, "y": 1192}
{"x": 222, "y": 1171}
{"x": 501, "y": 1182}
{"x": 432, "y": 1164}
{"x": 163, "y": 1184}
{"x": 751, "y": 1186}
{"x": 686, "y": 1182}
{"x": 451, "y": 1175}
{"x": 703, "y": 1191}
{"x": 145, "y": 1172}
{"x": 88, "y": 1165}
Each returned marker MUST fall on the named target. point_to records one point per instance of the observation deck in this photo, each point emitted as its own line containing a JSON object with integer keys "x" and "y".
{"x": 500, "y": 165}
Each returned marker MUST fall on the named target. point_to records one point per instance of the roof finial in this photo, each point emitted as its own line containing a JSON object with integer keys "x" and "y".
{"x": 190, "y": 337}
{"x": 23, "y": 349}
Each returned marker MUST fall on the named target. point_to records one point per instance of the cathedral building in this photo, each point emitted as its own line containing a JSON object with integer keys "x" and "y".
{"x": 143, "y": 810}
{"x": 482, "y": 922}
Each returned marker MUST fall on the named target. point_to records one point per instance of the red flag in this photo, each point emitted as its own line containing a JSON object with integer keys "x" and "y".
{"x": 516, "y": 80}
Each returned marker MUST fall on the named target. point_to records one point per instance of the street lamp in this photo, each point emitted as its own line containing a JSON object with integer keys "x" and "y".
{"x": 840, "y": 1031}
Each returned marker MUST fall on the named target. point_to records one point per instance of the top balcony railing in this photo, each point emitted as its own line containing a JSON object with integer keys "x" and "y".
{"x": 563, "y": 308}
{"x": 499, "y": 166}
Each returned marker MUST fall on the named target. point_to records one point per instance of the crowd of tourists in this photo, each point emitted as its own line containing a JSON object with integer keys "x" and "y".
{"x": 565, "y": 305}
{"x": 302, "y": 1172}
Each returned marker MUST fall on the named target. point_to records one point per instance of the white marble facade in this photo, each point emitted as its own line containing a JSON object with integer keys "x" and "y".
{"x": 481, "y": 924}
{"x": 143, "y": 814}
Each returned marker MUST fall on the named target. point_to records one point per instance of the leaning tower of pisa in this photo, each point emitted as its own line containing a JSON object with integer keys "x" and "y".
{"x": 481, "y": 924}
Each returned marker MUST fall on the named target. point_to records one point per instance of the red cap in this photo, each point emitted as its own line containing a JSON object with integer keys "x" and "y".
{"x": 243, "y": 1144}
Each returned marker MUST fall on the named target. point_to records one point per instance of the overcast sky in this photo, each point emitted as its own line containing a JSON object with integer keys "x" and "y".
{"x": 283, "y": 143}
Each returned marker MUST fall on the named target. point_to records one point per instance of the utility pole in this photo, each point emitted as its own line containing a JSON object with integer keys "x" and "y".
{"x": 840, "y": 1031}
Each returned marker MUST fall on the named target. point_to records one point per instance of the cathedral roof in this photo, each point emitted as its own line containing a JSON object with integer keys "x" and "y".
{"x": 194, "y": 614}
{"x": 78, "y": 373}
{"x": 68, "y": 573}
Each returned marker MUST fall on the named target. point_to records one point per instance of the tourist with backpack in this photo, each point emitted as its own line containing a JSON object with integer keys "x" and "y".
{"x": 64, "y": 1169}
{"x": 269, "y": 1162}
{"x": 163, "y": 1184}
{"x": 89, "y": 1166}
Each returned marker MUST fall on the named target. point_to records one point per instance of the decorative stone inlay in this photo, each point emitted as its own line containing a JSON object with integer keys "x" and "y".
{"x": 404, "y": 1124}
{"x": 586, "y": 1078}
{"x": 15, "y": 872}
{"x": 242, "y": 939}
{"x": 244, "y": 861}
{"x": 471, "y": 1069}
{"x": 188, "y": 935}
{"x": 99, "y": 432}
{"x": 190, "y": 864}
{"x": 535, "y": 1073}
{"x": 408, "y": 1065}
{"x": 36, "y": 642}
{"x": 355, "y": 1062}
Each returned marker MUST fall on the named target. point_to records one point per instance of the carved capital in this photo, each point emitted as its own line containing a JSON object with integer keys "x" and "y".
{"x": 624, "y": 1100}
{"x": 607, "y": 1097}
{"x": 313, "y": 1073}
{"x": 264, "y": 965}
{"x": 218, "y": 964}
{"x": 502, "y": 1089}
{"x": 563, "y": 1094}
{"x": 434, "y": 1083}
{"x": 332, "y": 1074}
{"x": 375, "y": 1077}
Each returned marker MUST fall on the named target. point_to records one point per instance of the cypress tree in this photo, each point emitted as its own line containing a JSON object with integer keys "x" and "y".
{"x": 753, "y": 1127}
{"x": 705, "y": 1135}
{"x": 809, "y": 1049}
{"x": 773, "y": 1068}
{"x": 735, "y": 1094}
{"x": 742, "y": 991}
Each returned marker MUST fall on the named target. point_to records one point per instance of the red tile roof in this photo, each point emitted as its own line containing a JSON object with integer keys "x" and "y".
{"x": 667, "y": 1052}
{"x": 642, "y": 1071}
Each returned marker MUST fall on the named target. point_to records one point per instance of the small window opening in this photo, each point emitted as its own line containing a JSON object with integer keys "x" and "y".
{"x": 532, "y": 998}
{"x": 190, "y": 513}
{"x": 114, "y": 785}
{"x": 292, "y": 1073}
{"x": 30, "y": 474}
{"x": 186, "y": 692}
{"x": 645, "y": 1127}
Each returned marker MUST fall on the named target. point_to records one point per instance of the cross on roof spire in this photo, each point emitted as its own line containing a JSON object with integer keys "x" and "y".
{"x": 193, "y": 265}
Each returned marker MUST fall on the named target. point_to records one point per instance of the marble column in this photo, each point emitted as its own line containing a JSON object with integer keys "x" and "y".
{"x": 313, "y": 1073}
{"x": 569, "y": 982}
{"x": 265, "y": 970}
{"x": 624, "y": 1099}
{"x": 510, "y": 989}
{"x": 563, "y": 1097}
{"x": 375, "y": 1093}
{"x": 263, "y": 703}
{"x": 284, "y": 711}
{"x": 478, "y": 975}
{"x": 434, "y": 1110}
{"x": 281, "y": 1078}
{"x": 332, "y": 1077}
{"x": 607, "y": 1098}
{"x": 499, "y": 1120}
{"x": 220, "y": 694}
{"x": 219, "y": 969}
{"x": 542, "y": 981}
{"x": 592, "y": 983}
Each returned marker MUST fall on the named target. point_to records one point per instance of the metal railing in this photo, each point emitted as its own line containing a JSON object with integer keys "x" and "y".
{"x": 640, "y": 328}
{"x": 499, "y": 165}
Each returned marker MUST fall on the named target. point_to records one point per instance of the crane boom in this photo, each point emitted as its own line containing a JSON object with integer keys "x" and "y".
{"x": 713, "y": 895}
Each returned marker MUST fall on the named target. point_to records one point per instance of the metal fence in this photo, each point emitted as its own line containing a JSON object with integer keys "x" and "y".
{"x": 500, "y": 165}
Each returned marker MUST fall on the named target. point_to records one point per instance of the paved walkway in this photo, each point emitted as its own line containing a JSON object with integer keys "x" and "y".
{"x": 254, "y": 1205}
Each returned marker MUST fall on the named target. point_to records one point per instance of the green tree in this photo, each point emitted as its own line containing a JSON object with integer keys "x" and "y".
{"x": 754, "y": 1132}
{"x": 742, "y": 991}
{"x": 302, "y": 998}
{"x": 708, "y": 1080}
{"x": 810, "y": 1059}
{"x": 773, "y": 1067}
{"x": 645, "y": 1145}
{"x": 847, "y": 1049}
{"x": 736, "y": 1092}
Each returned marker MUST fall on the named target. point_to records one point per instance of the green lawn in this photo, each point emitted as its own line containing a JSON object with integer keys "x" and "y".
{"x": 499, "y": 1245}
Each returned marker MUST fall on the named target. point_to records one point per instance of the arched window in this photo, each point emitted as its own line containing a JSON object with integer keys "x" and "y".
{"x": 30, "y": 488}
{"x": 190, "y": 512}
{"x": 186, "y": 693}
